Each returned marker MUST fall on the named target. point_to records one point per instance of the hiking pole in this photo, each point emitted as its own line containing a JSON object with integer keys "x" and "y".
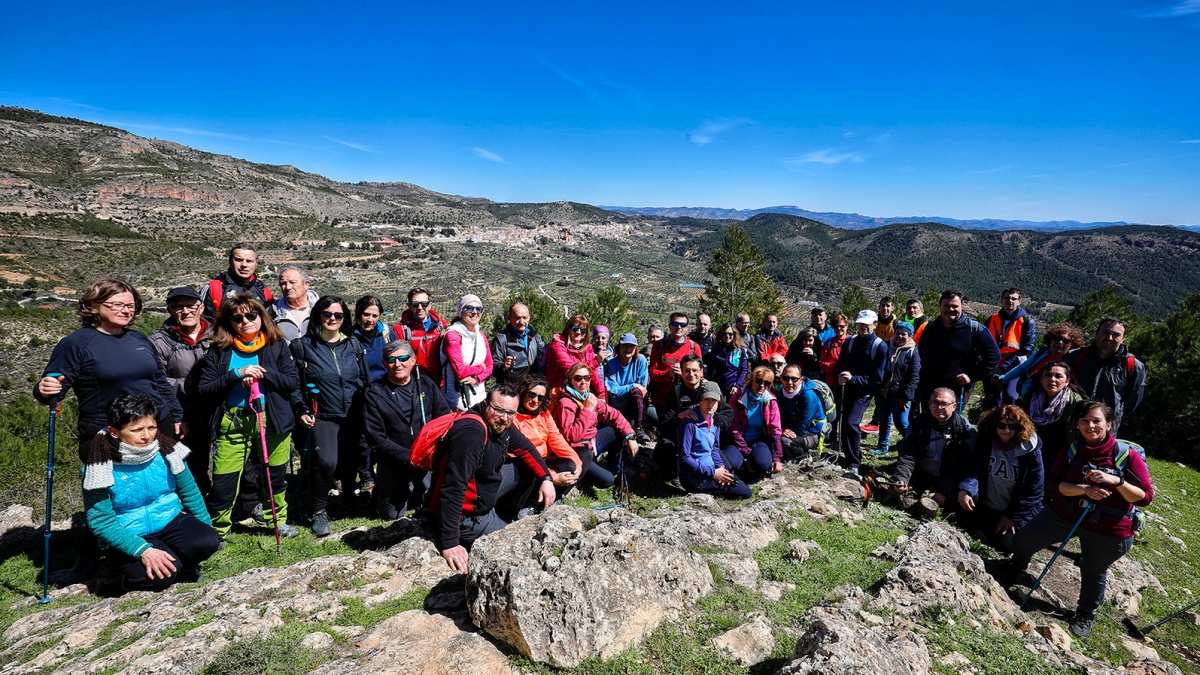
{"x": 55, "y": 409}
{"x": 1087, "y": 507}
{"x": 305, "y": 454}
{"x": 1140, "y": 633}
{"x": 258, "y": 403}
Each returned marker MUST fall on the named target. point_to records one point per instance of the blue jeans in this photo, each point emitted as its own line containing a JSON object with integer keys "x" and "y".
{"x": 895, "y": 412}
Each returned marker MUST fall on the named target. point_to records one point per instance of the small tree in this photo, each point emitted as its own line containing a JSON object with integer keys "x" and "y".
{"x": 739, "y": 281}
{"x": 854, "y": 300}
{"x": 932, "y": 300}
{"x": 544, "y": 316}
{"x": 610, "y": 308}
{"x": 1169, "y": 417}
{"x": 1101, "y": 303}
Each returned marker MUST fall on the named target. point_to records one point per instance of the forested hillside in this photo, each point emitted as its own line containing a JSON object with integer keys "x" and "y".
{"x": 1154, "y": 266}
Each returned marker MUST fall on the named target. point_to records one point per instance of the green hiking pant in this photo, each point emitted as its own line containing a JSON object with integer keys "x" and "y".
{"x": 239, "y": 439}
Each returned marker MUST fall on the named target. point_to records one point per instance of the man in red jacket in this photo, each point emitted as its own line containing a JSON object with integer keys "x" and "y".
{"x": 423, "y": 328}
{"x": 665, "y": 357}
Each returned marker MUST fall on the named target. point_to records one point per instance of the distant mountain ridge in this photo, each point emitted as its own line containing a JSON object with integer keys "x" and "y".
{"x": 855, "y": 221}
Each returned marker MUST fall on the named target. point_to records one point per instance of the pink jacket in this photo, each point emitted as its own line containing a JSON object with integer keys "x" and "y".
{"x": 772, "y": 426}
{"x": 578, "y": 424}
{"x": 453, "y": 347}
{"x": 560, "y": 357}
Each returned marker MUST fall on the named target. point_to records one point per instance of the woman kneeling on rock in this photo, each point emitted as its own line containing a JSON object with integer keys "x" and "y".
{"x": 1096, "y": 481}
{"x": 141, "y": 500}
{"x": 1002, "y": 489}
{"x": 702, "y": 463}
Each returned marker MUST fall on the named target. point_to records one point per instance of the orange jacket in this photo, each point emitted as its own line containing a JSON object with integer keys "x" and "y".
{"x": 542, "y": 431}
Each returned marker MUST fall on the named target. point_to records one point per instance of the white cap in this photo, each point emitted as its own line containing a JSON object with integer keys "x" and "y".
{"x": 867, "y": 316}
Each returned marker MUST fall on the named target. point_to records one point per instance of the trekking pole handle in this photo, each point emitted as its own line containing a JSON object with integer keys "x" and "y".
{"x": 57, "y": 398}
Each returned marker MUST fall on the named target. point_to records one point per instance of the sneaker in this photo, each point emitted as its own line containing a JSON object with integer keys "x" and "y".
{"x": 287, "y": 531}
{"x": 320, "y": 524}
{"x": 852, "y": 474}
{"x": 1081, "y": 625}
{"x": 869, "y": 428}
{"x": 881, "y": 451}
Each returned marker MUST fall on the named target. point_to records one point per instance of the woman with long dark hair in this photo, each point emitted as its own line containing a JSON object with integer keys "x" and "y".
{"x": 1002, "y": 488}
{"x": 332, "y": 363}
{"x": 1052, "y": 407}
{"x": 728, "y": 362}
{"x": 569, "y": 347}
{"x": 537, "y": 424}
{"x": 248, "y": 347}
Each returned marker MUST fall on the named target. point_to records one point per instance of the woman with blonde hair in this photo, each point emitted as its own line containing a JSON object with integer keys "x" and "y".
{"x": 1003, "y": 486}
{"x": 247, "y": 348}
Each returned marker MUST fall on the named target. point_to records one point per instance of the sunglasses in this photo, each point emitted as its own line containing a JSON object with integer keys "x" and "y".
{"x": 472, "y": 309}
{"x": 534, "y": 396}
{"x": 252, "y": 315}
{"x": 580, "y": 378}
{"x": 728, "y": 335}
{"x": 789, "y": 378}
{"x": 336, "y": 316}
{"x": 1061, "y": 338}
{"x": 419, "y": 305}
{"x": 402, "y": 358}
{"x": 1008, "y": 426}
{"x": 761, "y": 382}
{"x": 679, "y": 324}
{"x": 578, "y": 329}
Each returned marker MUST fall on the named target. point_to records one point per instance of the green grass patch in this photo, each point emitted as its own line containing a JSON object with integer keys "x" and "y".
{"x": 991, "y": 652}
{"x": 842, "y": 559}
{"x": 358, "y": 613}
{"x": 186, "y": 627}
{"x": 119, "y": 645}
{"x": 132, "y": 604}
{"x": 279, "y": 654}
{"x": 255, "y": 549}
{"x": 33, "y": 650}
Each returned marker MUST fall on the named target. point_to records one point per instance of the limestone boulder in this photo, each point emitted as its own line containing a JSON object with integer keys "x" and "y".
{"x": 837, "y": 641}
{"x": 570, "y": 584}
{"x": 418, "y": 643}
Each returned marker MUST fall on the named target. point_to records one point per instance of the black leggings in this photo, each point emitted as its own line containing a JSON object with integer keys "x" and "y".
{"x": 334, "y": 453}
{"x": 188, "y": 540}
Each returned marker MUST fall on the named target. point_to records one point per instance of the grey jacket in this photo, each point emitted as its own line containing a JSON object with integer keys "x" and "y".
{"x": 179, "y": 361}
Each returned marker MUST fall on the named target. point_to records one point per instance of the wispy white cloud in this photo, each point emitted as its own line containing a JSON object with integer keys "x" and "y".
{"x": 571, "y": 78}
{"x": 827, "y": 157}
{"x": 197, "y": 132}
{"x": 348, "y": 144}
{"x": 1177, "y": 9}
{"x": 76, "y": 104}
{"x": 1192, "y": 140}
{"x": 995, "y": 169}
{"x": 488, "y": 155}
{"x": 707, "y": 133}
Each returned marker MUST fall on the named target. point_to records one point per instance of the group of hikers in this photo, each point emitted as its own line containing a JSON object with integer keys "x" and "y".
{"x": 194, "y": 428}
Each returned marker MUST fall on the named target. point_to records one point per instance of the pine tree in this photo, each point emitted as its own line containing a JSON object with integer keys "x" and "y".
{"x": 739, "y": 281}
{"x": 855, "y": 300}
{"x": 610, "y": 308}
{"x": 544, "y": 316}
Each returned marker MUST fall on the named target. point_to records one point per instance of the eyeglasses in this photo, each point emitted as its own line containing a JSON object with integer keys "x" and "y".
{"x": 728, "y": 335}
{"x": 761, "y": 382}
{"x": 580, "y": 378}
{"x": 402, "y": 358}
{"x": 679, "y": 324}
{"x": 1008, "y": 426}
{"x": 789, "y": 378}
{"x": 180, "y": 309}
{"x": 501, "y": 411}
{"x": 252, "y": 315}
{"x": 336, "y": 316}
{"x": 578, "y": 329}
{"x": 534, "y": 396}
{"x": 942, "y": 404}
{"x": 472, "y": 309}
{"x": 121, "y": 306}
{"x": 419, "y": 305}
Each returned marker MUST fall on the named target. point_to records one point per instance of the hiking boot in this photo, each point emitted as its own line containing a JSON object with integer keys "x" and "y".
{"x": 642, "y": 436}
{"x": 287, "y": 531}
{"x": 852, "y": 474}
{"x": 320, "y": 524}
{"x": 881, "y": 451}
{"x": 869, "y": 428}
{"x": 257, "y": 516}
{"x": 1081, "y": 625}
{"x": 366, "y": 490}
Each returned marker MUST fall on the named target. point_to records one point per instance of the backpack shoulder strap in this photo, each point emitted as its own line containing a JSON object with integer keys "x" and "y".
{"x": 1080, "y": 356}
{"x": 1130, "y": 364}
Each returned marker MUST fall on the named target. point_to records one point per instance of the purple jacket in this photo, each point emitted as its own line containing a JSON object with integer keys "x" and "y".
{"x": 771, "y": 425}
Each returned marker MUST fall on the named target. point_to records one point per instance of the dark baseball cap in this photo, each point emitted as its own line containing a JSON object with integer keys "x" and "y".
{"x": 182, "y": 293}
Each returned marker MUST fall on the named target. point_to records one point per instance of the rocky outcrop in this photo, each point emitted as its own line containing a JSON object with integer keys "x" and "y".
{"x": 418, "y": 643}
{"x": 569, "y": 584}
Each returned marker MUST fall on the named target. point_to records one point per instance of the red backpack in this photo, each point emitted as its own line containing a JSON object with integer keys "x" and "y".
{"x": 431, "y": 435}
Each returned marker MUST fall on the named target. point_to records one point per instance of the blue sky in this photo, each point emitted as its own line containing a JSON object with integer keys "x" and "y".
{"x": 1021, "y": 110}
